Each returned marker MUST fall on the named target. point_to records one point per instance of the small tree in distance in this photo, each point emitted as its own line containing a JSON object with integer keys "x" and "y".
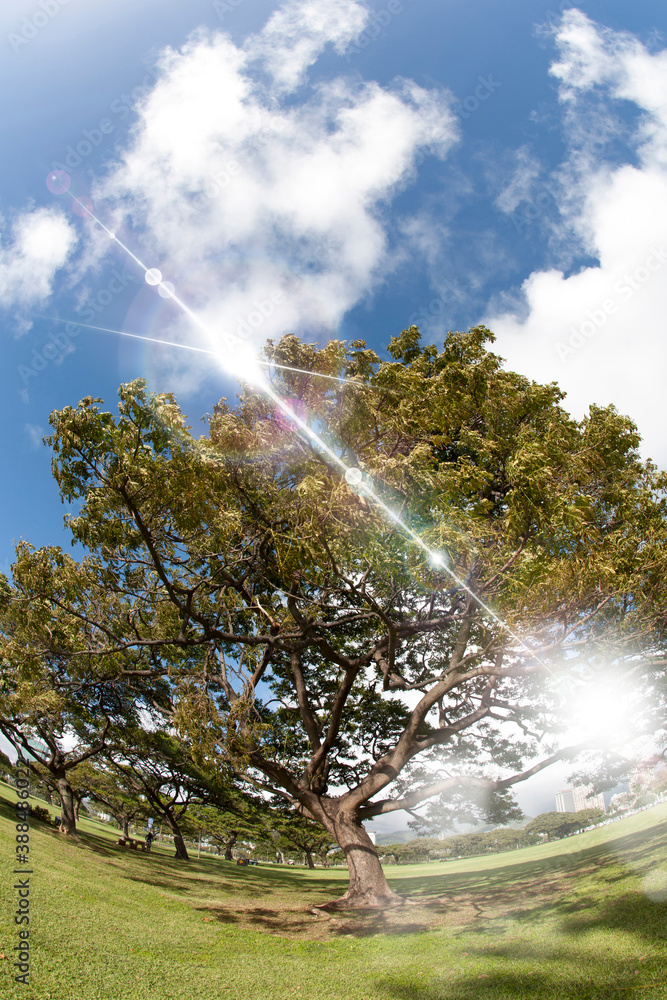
{"x": 107, "y": 788}
{"x": 307, "y": 641}
{"x": 298, "y": 833}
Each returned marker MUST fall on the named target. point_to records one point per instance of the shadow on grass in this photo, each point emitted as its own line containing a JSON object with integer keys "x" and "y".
{"x": 632, "y": 912}
{"x": 235, "y": 881}
{"x": 620, "y": 982}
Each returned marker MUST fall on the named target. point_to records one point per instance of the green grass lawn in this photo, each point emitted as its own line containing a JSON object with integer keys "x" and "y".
{"x": 584, "y": 917}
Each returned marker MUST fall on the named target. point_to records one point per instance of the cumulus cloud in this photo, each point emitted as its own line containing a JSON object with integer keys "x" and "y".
{"x": 600, "y": 331}
{"x": 249, "y": 186}
{"x": 41, "y": 242}
{"x": 297, "y": 33}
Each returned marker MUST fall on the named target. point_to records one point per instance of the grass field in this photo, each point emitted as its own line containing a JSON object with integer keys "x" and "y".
{"x": 584, "y": 917}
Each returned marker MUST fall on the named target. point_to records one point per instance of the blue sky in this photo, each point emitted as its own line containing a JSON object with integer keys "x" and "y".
{"x": 336, "y": 169}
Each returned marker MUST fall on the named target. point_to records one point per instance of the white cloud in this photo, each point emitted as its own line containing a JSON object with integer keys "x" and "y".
{"x": 35, "y": 434}
{"x": 297, "y": 33}
{"x": 41, "y": 242}
{"x": 519, "y": 187}
{"x": 601, "y": 332}
{"x": 242, "y": 194}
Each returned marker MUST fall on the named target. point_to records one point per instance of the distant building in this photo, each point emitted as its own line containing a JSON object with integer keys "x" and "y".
{"x": 579, "y": 797}
{"x": 565, "y": 801}
{"x": 584, "y": 798}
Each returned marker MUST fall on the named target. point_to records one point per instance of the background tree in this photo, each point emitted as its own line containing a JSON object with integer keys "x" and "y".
{"x": 55, "y": 709}
{"x": 40, "y": 722}
{"x": 156, "y": 767}
{"x": 555, "y": 824}
{"x": 299, "y": 833}
{"x": 107, "y": 788}
{"x": 244, "y": 819}
{"x": 332, "y": 659}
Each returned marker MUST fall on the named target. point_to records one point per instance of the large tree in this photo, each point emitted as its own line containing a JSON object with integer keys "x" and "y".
{"x": 306, "y": 636}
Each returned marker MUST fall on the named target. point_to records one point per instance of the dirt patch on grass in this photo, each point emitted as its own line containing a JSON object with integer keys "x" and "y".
{"x": 418, "y": 915}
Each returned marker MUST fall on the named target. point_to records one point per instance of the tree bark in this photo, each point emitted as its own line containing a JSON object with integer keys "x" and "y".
{"x": 228, "y": 847}
{"x": 67, "y": 816}
{"x": 169, "y": 818}
{"x": 309, "y": 859}
{"x": 181, "y": 850}
{"x": 179, "y": 843}
{"x": 368, "y": 885}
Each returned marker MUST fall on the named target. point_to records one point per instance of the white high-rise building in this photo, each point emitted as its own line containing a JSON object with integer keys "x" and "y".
{"x": 578, "y": 797}
{"x": 565, "y": 801}
{"x": 584, "y": 799}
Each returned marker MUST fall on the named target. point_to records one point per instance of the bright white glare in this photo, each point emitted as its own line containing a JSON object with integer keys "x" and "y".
{"x": 353, "y": 476}
{"x": 600, "y": 711}
{"x": 153, "y": 276}
{"x": 438, "y": 560}
{"x": 239, "y": 359}
{"x": 655, "y": 885}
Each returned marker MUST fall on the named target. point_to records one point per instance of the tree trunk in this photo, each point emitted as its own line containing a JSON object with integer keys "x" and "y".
{"x": 125, "y": 823}
{"x": 309, "y": 859}
{"x": 368, "y": 885}
{"x": 181, "y": 850}
{"x": 228, "y": 847}
{"x": 179, "y": 843}
{"x": 170, "y": 819}
{"x": 67, "y": 816}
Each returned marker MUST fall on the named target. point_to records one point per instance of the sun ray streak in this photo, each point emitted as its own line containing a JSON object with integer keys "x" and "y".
{"x": 154, "y": 277}
{"x": 199, "y": 350}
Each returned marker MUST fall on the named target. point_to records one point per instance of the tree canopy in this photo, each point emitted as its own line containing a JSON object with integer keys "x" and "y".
{"x": 283, "y": 621}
